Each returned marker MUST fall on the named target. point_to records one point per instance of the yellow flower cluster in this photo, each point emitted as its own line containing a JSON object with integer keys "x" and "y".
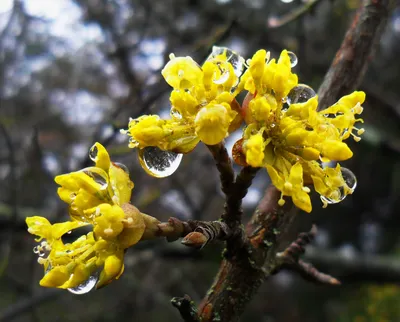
{"x": 290, "y": 141}
{"x": 97, "y": 196}
{"x": 288, "y": 137}
{"x": 203, "y": 106}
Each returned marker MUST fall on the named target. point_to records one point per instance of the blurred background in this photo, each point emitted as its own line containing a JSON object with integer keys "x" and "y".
{"x": 72, "y": 72}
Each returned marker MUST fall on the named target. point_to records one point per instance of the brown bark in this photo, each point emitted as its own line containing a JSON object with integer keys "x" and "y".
{"x": 355, "y": 53}
{"x": 243, "y": 270}
{"x": 245, "y": 267}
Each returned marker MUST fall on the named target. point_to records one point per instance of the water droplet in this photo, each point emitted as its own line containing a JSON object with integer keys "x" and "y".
{"x": 224, "y": 76}
{"x": 69, "y": 232}
{"x": 122, "y": 166}
{"x": 99, "y": 178}
{"x": 86, "y": 286}
{"x": 335, "y": 200}
{"x": 341, "y": 193}
{"x": 93, "y": 153}
{"x": 349, "y": 178}
{"x": 36, "y": 249}
{"x": 238, "y": 62}
{"x": 293, "y": 59}
{"x": 175, "y": 113}
{"x": 159, "y": 163}
{"x": 300, "y": 94}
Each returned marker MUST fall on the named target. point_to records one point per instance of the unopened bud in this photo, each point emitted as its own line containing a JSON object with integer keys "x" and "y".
{"x": 195, "y": 239}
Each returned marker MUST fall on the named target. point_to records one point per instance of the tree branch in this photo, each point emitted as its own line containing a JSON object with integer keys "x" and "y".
{"x": 356, "y": 268}
{"x": 290, "y": 259}
{"x": 186, "y": 308}
{"x": 245, "y": 268}
{"x": 242, "y": 271}
{"x": 352, "y": 59}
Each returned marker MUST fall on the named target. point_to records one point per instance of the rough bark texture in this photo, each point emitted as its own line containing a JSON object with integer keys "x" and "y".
{"x": 355, "y": 53}
{"x": 243, "y": 271}
{"x": 246, "y": 267}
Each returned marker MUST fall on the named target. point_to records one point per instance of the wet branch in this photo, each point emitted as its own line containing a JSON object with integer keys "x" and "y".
{"x": 186, "y": 308}
{"x": 243, "y": 271}
{"x": 290, "y": 259}
{"x": 355, "y": 53}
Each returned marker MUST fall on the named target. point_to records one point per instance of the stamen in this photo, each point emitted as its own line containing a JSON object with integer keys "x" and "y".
{"x": 108, "y": 231}
{"x": 171, "y": 56}
{"x": 288, "y": 186}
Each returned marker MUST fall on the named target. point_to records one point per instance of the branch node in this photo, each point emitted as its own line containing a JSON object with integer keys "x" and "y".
{"x": 186, "y": 307}
{"x": 290, "y": 259}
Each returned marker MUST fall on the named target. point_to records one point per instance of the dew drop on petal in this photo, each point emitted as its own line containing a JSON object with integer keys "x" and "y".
{"x": 300, "y": 94}
{"x": 333, "y": 201}
{"x": 93, "y": 153}
{"x": 159, "y": 163}
{"x": 175, "y": 113}
{"x": 98, "y": 178}
{"x": 224, "y": 75}
{"x": 86, "y": 286}
{"x": 349, "y": 178}
{"x": 237, "y": 61}
{"x": 293, "y": 59}
{"x": 122, "y": 166}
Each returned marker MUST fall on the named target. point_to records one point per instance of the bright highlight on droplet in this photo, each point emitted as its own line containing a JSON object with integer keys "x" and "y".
{"x": 86, "y": 286}
{"x": 300, "y": 94}
{"x": 293, "y": 59}
{"x": 351, "y": 184}
{"x": 350, "y": 178}
{"x": 159, "y": 163}
{"x": 93, "y": 153}
{"x": 98, "y": 175}
{"x": 237, "y": 62}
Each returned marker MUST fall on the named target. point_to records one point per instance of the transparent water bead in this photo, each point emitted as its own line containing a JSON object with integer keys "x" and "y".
{"x": 159, "y": 163}
{"x": 97, "y": 176}
{"x": 175, "y": 113}
{"x": 293, "y": 59}
{"x": 351, "y": 182}
{"x": 86, "y": 286}
{"x": 300, "y": 94}
{"x": 122, "y": 166}
{"x": 237, "y": 62}
{"x": 93, "y": 153}
{"x": 350, "y": 178}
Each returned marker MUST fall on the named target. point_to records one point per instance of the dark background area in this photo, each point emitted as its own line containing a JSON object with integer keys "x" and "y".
{"x": 73, "y": 72}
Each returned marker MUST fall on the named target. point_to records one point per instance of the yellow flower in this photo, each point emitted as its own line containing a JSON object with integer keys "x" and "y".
{"x": 203, "y": 106}
{"x": 98, "y": 197}
{"x": 85, "y": 190}
{"x": 290, "y": 142}
{"x": 266, "y": 75}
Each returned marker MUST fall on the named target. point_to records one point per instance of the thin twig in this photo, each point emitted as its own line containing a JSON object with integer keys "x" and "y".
{"x": 274, "y": 22}
{"x": 186, "y": 308}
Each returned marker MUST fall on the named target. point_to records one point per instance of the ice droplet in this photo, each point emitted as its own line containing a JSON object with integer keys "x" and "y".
{"x": 293, "y": 59}
{"x": 159, "y": 163}
{"x": 86, "y": 286}
{"x": 93, "y": 153}
{"x": 300, "y": 94}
